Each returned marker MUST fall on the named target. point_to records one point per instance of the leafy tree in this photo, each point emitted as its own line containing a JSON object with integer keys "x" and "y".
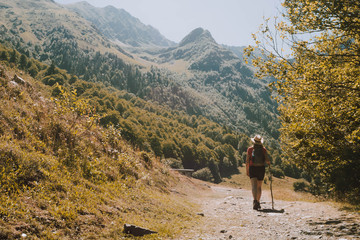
{"x": 230, "y": 153}
{"x": 169, "y": 149}
{"x": 33, "y": 70}
{"x": 214, "y": 168}
{"x": 23, "y": 61}
{"x": 204, "y": 154}
{"x": 13, "y": 57}
{"x": 73, "y": 79}
{"x": 188, "y": 153}
{"x": 51, "y": 70}
{"x": 319, "y": 89}
{"x": 4, "y": 55}
{"x": 51, "y": 80}
{"x": 230, "y": 139}
{"x": 156, "y": 146}
{"x": 113, "y": 117}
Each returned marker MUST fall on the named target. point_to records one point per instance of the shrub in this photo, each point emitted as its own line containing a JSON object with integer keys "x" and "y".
{"x": 51, "y": 80}
{"x": 277, "y": 172}
{"x": 301, "y": 186}
{"x": 145, "y": 157}
{"x": 214, "y": 168}
{"x": 306, "y": 176}
{"x": 169, "y": 149}
{"x": 19, "y": 168}
{"x": 203, "y": 174}
{"x": 173, "y": 163}
{"x": 112, "y": 118}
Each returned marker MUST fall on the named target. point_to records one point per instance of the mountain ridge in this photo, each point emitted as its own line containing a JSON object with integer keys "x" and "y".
{"x": 196, "y": 35}
{"x": 120, "y": 26}
{"x": 228, "y": 86}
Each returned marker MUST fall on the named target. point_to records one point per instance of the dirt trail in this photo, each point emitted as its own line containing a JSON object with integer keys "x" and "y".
{"x": 228, "y": 214}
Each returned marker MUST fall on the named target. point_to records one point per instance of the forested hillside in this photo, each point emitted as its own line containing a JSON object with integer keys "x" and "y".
{"x": 63, "y": 176}
{"x": 198, "y": 80}
{"x": 234, "y": 98}
{"x": 194, "y": 141}
{"x": 57, "y": 129}
{"x": 64, "y": 140}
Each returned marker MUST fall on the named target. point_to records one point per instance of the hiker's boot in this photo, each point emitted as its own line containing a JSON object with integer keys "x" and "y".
{"x": 255, "y": 205}
{"x": 258, "y": 205}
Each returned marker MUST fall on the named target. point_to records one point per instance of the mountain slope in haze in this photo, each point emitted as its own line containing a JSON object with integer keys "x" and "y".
{"x": 118, "y": 25}
{"x": 197, "y": 46}
{"x": 197, "y": 76}
{"x": 48, "y": 25}
{"x": 238, "y": 51}
{"x": 49, "y": 32}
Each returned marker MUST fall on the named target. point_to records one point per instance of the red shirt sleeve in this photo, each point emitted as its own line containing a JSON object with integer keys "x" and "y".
{"x": 249, "y": 151}
{"x": 249, "y": 155}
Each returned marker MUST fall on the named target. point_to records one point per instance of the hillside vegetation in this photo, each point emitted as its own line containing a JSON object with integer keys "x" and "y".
{"x": 199, "y": 120}
{"x": 186, "y": 141}
{"x": 215, "y": 84}
{"x": 63, "y": 176}
{"x": 67, "y": 153}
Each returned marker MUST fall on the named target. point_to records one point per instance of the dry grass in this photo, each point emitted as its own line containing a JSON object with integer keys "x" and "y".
{"x": 179, "y": 66}
{"x": 62, "y": 178}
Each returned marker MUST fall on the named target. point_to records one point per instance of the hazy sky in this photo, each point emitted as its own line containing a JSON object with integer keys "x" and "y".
{"x": 230, "y": 22}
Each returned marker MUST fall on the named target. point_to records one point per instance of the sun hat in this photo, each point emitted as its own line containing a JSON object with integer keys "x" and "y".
{"x": 257, "y": 139}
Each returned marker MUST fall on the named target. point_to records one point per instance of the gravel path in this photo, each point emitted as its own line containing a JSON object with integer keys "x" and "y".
{"x": 227, "y": 214}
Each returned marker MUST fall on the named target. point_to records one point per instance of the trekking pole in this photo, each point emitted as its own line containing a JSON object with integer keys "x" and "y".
{"x": 272, "y": 197}
{"x": 272, "y": 210}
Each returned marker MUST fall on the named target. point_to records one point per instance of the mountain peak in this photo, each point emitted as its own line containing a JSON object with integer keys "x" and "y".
{"x": 198, "y": 34}
{"x": 121, "y": 27}
{"x": 82, "y": 3}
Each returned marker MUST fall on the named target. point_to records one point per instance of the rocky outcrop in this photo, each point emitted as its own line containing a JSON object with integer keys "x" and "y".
{"x": 136, "y": 230}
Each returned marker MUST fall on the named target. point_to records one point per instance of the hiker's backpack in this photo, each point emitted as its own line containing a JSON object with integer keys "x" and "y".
{"x": 258, "y": 156}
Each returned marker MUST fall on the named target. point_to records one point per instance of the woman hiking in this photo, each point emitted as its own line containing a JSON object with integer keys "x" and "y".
{"x": 255, "y": 168}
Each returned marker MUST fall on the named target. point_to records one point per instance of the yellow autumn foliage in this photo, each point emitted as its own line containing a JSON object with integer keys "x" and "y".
{"x": 318, "y": 87}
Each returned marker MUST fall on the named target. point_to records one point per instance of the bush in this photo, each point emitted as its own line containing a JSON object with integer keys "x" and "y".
{"x": 51, "y": 80}
{"x": 112, "y": 118}
{"x": 277, "y": 172}
{"x": 214, "y": 168}
{"x": 19, "y": 168}
{"x": 301, "y": 186}
{"x": 173, "y": 163}
{"x": 306, "y": 176}
{"x": 203, "y": 174}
